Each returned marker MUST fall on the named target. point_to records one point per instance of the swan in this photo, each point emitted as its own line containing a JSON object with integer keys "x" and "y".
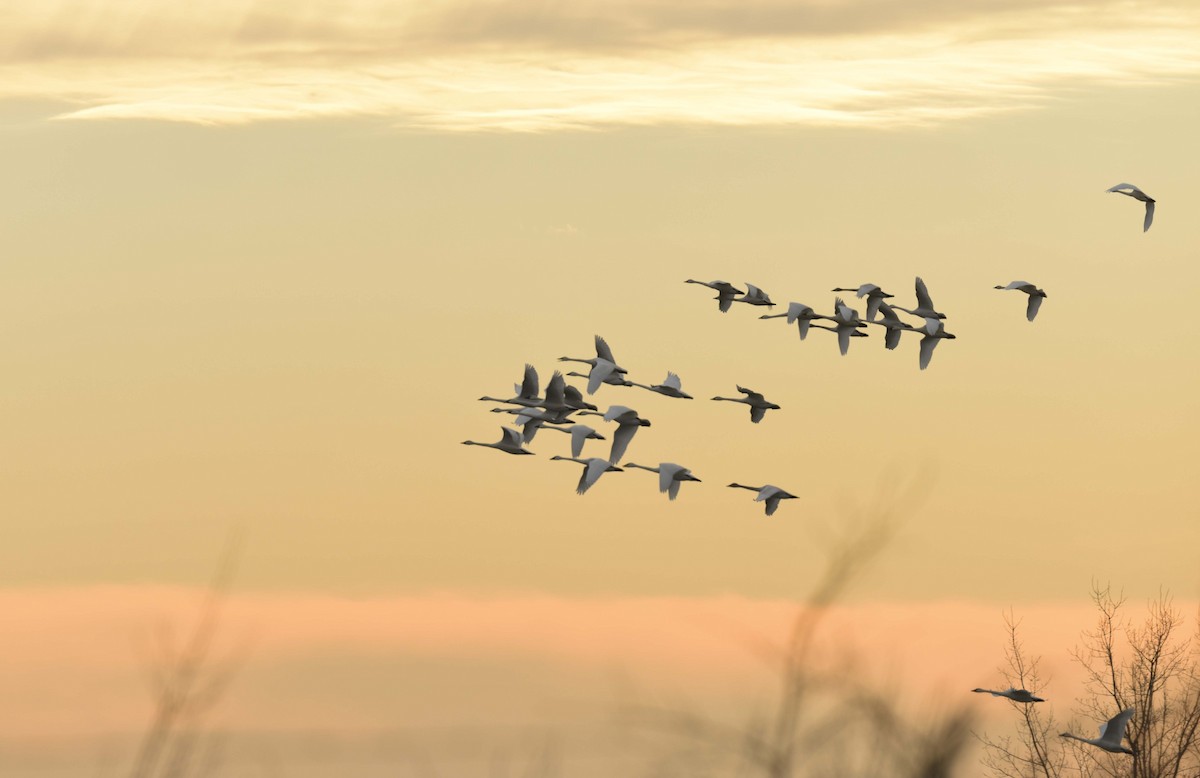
{"x": 799, "y": 314}
{"x": 924, "y": 307}
{"x": 670, "y": 476}
{"x": 758, "y": 404}
{"x": 1137, "y": 194}
{"x": 627, "y": 421}
{"x": 574, "y": 399}
{"x": 593, "y": 468}
{"x": 1016, "y": 695}
{"x": 603, "y": 352}
{"x": 670, "y": 387}
{"x": 1112, "y": 733}
{"x": 874, "y": 296}
{"x": 892, "y": 323}
{"x": 845, "y": 323}
{"x": 1035, "y": 297}
{"x": 509, "y": 443}
{"x": 769, "y": 494}
{"x": 610, "y": 377}
{"x": 527, "y": 391}
{"x": 725, "y": 292}
{"x": 579, "y": 433}
{"x": 755, "y": 296}
{"x": 934, "y": 331}
{"x": 530, "y": 420}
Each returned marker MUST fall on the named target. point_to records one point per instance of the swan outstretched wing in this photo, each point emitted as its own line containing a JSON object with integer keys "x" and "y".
{"x": 892, "y": 338}
{"x": 844, "y": 339}
{"x": 928, "y": 344}
{"x": 511, "y": 437}
{"x": 724, "y": 302}
{"x": 923, "y": 299}
{"x": 556, "y": 391}
{"x": 1113, "y": 730}
{"x": 1035, "y": 302}
{"x": 666, "y": 477}
{"x": 601, "y": 370}
{"x": 603, "y": 351}
{"x": 621, "y": 439}
{"x": 591, "y": 474}
{"x": 757, "y": 412}
{"x": 873, "y": 306}
{"x": 803, "y": 327}
{"x": 772, "y": 504}
{"x": 751, "y": 395}
{"x": 1149, "y": 216}
{"x": 672, "y": 381}
{"x": 529, "y": 385}
{"x": 1122, "y": 187}
{"x": 579, "y": 433}
{"x": 673, "y": 489}
{"x": 615, "y": 412}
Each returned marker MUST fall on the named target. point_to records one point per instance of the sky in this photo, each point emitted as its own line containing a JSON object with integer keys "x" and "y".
{"x": 260, "y": 259}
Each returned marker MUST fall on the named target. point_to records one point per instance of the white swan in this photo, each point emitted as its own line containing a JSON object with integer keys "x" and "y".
{"x": 603, "y": 352}
{"x": 509, "y": 443}
{"x": 527, "y": 391}
{"x": 769, "y": 494}
{"x": 799, "y": 314}
{"x": 1035, "y": 297}
{"x": 846, "y": 323}
{"x": 934, "y": 331}
{"x": 670, "y": 387}
{"x": 894, "y": 326}
{"x": 1112, "y": 733}
{"x": 670, "y": 476}
{"x": 755, "y": 296}
{"x": 609, "y": 377}
{"x": 1016, "y": 695}
{"x": 725, "y": 292}
{"x": 874, "y": 296}
{"x": 593, "y": 468}
{"x": 758, "y": 404}
{"x": 924, "y": 307}
{"x": 579, "y": 433}
{"x": 627, "y": 421}
{"x": 1137, "y": 194}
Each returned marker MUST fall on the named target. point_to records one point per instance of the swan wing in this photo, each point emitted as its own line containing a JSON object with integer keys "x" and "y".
{"x": 724, "y": 302}
{"x": 529, "y": 384}
{"x": 603, "y": 351}
{"x": 673, "y": 489}
{"x": 803, "y": 325}
{"x": 672, "y": 381}
{"x": 1035, "y": 302}
{"x": 873, "y": 304}
{"x": 600, "y": 371}
{"x": 511, "y": 437}
{"x": 556, "y": 390}
{"x": 751, "y": 395}
{"x": 892, "y": 338}
{"x": 621, "y": 439}
{"x": 666, "y": 476}
{"x": 753, "y": 291}
{"x": 1149, "y": 216}
{"x": 772, "y": 504}
{"x": 1113, "y": 730}
{"x": 928, "y": 344}
{"x": 757, "y": 412}
{"x": 615, "y": 412}
{"x": 579, "y": 433}
{"x": 592, "y": 470}
{"x": 923, "y": 299}
{"x": 844, "y": 339}
{"x": 1122, "y": 187}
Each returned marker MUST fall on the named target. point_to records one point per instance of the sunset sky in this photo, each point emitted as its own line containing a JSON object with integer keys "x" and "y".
{"x": 261, "y": 257}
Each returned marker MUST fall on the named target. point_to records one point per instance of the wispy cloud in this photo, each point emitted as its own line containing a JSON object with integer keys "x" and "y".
{"x": 491, "y": 65}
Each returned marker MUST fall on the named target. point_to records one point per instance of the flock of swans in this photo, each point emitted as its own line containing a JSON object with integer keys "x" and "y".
{"x": 554, "y": 409}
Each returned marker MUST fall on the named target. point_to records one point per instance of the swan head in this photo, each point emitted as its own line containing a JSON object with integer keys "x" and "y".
{"x": 644, "y": 422}
{"x": 557, "y": 457}
{"x": 948, "y": 336}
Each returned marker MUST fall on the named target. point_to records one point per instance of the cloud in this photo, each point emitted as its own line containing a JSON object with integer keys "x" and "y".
{"x": 493, "y": 65}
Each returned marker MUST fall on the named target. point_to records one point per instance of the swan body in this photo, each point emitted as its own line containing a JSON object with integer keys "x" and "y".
{"x": 1016, "y": 695}
{"x": 891, "y": 322}
{"x": 593, "y": 468}
{"x": 612, "y": 378}
{"x": 934, "y": 331}
{"x": 510, "y": 442}
{"x": 1137, "y": 194}
{"x": 725, "y": 292}
{"x": 924, "y": 307}
{"x": 1035, "y": 297}
{"x": 670, "y": 387}
{"x": 874, "y": 296}
{"x": 627, "y": 421}
{"x": 1112, "y": 732}
{"x": 670, "y": 476}
{"x": 759, "y": 405}
{"x": 755, "y": 296}
{"x": 799, "y": 314}
{"x": 771, "y": 495}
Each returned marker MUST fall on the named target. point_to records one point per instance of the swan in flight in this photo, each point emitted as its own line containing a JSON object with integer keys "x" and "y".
{"x": 1112, "y": 733}
{"x": 593, "y": 468}
{"x": 1137, "y": 194}
{"x": 609, "y": 377}
{"x": 800, "y": 315}
{"x": 934, "y": 331}
{"x": 670, "y": 476}
{"x": 670, "y": 387}
{"x": 769, "y": 494}
{"x": 527, "y": 391}
{"x": 603, "y": 353}
{"x": 894, "y": 326}
{"x": 845, "y": 323}
{"x": 579, "y": 433}
{"x": 1035, "y": 297}
{"x": 510, "y": 443}
{"x": 758, "y": 404}
{"x": 755, "y": 296}
{"x": 725, "y": 292}
{"x": 627, "y": 421}
{"x": 924, "y": 307}
{"x": 1016, "y": 695}
{"x": 874, "y": 296}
